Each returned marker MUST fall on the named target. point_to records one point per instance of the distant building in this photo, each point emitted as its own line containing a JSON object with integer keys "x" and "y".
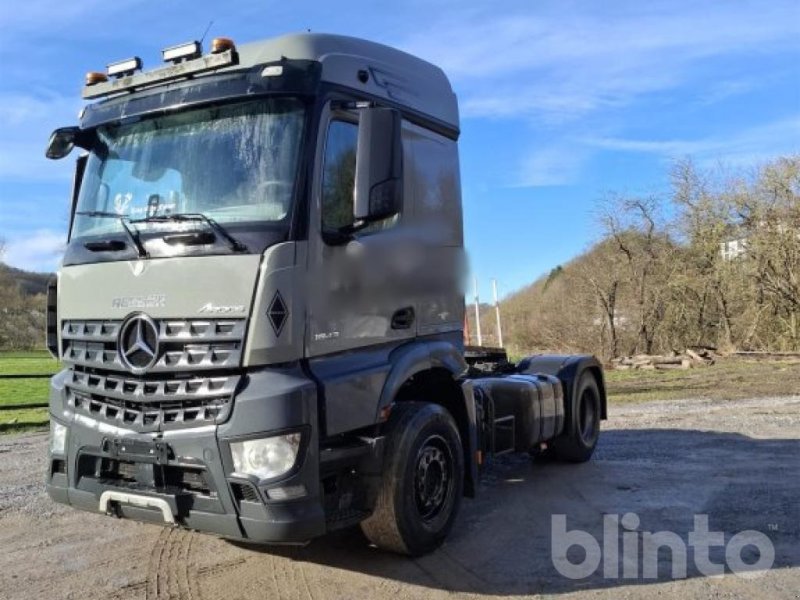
{"x": 620, "y": 321}
{"x": 733, "y": 248}
{"x": 776, "y": 226}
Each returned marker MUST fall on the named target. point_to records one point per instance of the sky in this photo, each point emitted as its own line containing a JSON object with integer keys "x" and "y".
{"x": 561, "y": 102}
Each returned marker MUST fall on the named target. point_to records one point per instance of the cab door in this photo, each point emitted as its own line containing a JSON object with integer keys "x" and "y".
{"x": 359, "y": 294}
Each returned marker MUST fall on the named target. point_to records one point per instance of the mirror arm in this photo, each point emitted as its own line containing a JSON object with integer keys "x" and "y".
{"x": 86, "y": 138}
{"x": 354, "y": 227}
{"x": 343, "y": 235}
{"x": 336, "y": 237}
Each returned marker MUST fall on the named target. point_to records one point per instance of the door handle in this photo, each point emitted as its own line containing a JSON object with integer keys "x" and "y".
{"x": 403, "y": 318}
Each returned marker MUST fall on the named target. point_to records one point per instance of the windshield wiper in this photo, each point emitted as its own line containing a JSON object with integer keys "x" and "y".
{"x": 235, "y": 244}
{"x": 123, "y": 220}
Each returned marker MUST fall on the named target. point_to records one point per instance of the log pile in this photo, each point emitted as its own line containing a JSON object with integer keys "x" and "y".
{"x": 696, "y": 356}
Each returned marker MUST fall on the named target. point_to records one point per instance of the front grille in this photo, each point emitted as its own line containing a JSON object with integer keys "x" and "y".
{"x": 184, "y": 345}
{"x": 152, "y": 415}
{"x": 186, "y": 386}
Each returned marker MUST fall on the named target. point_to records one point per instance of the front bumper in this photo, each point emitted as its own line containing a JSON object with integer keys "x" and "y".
{"x": 192, "y": 471}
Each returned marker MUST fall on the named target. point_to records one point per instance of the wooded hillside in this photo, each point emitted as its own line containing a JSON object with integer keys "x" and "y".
{"x": 715, "y": 262}
{"x": 22, "y": 308}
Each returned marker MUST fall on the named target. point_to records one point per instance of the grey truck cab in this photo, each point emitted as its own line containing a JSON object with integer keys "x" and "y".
{"x": 260, "y": 310}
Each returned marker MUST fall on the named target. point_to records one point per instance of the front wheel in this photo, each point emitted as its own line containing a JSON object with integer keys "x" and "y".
{"x": 422, "y": 480}
{"x": 579, "y": 440}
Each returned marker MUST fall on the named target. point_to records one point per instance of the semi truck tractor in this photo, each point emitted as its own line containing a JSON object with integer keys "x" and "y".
{"x": 260, "y": 309}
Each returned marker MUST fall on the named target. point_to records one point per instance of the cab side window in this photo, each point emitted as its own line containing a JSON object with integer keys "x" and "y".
{"x": 339, "y": 179}
{"x": 339, "y": 175}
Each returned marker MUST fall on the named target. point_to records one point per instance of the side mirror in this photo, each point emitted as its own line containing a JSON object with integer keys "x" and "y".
{"x": 62, "y": 141}
{"x": 379, "y": 165}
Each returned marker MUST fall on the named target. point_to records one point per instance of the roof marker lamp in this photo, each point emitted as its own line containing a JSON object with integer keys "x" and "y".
{"x": 272, "y": 71}
{"x": 181, "y": 52}
{"x": 123, "y": 68}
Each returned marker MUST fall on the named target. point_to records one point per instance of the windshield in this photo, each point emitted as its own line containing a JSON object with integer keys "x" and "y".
{"x": 234, "y": 163}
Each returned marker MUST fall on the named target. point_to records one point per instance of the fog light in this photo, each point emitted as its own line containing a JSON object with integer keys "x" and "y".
{"x": 187, "y": 51}
{"x": 124, "y": 67}
{"x": 290, "y": 492}
{"x": 58, "y": 438}
{"x": 266, "y": 458}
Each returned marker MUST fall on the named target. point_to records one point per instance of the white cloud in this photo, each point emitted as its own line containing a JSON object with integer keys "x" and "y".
{"x": 723, "y": 90}
{"x": 752, "y": 144}
{"x": 27, "y": 121}
{"x": 40, "y": 250}
{"x": 568, "y": 68}
{"x": 562, "y": 163}
{"x": 566, "y": 63}
{"x": 46, "y": 14}
{"x": 554, "y": 165}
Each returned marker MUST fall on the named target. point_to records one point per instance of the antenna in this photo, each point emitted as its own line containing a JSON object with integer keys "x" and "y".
{"x": 205, "y": 33}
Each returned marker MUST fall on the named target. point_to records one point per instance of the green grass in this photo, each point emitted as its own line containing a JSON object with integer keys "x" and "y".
{"x": 23, "y": 420}
{"x": 34, "y": 365}
{"x": 24, "y": 391}
{"x": 729, "y": 379}
{"x": 42, "y": 353}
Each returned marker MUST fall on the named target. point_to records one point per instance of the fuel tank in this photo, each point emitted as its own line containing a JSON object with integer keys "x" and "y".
{"x": 521, "y": 410}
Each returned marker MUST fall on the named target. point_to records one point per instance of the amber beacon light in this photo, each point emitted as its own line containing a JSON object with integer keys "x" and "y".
{"x": 222, "y": 44}
{"x": 95, "y": 77}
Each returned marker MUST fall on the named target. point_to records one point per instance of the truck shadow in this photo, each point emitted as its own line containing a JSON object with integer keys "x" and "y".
{"x": 501, "y": 543}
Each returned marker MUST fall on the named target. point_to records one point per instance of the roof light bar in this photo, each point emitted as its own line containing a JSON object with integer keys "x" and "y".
{"x": 98, "y": 85}
{"x": 181, "y": 52}
{"x": 124, "y": 67}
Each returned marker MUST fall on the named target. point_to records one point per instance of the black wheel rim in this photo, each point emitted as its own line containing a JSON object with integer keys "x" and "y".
{"x": 433, "y": 478}
{"x": 587, "y": 423}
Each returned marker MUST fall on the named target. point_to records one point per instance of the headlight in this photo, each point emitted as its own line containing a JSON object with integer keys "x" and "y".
{"x": 266, "y": 458}
{"x": 58, "y": 437}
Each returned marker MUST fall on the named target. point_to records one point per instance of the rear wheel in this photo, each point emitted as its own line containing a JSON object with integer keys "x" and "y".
{"x": 422, "y": 481}
{"x": 580, "y": 439}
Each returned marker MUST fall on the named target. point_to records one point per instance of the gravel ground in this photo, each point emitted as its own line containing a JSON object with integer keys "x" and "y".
{"x": 738, "y": 462}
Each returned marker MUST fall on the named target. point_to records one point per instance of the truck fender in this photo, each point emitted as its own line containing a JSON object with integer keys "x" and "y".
{"x": 417, "y": 357}
{"x": 568, "y": 368}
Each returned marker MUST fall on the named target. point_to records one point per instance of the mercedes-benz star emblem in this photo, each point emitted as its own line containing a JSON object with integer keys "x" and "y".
{"x": 138, "y": 343}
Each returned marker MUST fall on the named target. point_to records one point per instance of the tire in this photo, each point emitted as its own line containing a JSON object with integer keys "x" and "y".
{"x": 579, "y": 441}
{"x": 422, "y": 481}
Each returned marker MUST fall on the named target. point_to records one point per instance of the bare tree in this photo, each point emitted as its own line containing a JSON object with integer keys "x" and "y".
{"x": 636, "y": 226}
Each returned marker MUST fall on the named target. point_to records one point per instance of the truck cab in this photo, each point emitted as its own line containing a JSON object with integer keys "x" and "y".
{"x": 260, "y": 307}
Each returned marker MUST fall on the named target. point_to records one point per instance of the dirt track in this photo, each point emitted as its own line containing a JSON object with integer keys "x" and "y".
{"x": 738, "y": 462}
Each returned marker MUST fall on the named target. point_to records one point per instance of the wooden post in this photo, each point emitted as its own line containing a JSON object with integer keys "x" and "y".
{"x": 478, "y": 314}
{"x": 497, "y": 314}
